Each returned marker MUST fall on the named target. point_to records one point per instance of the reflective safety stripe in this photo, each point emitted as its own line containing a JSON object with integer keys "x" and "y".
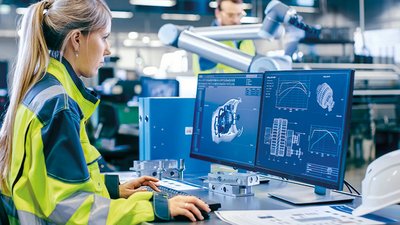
{"x": 9, "y": 206}
{"x": 40, "y": 99}
{"x": 27, "y": 218}
{"x": 99, "y": 211}
{"x": 66, "y": 208}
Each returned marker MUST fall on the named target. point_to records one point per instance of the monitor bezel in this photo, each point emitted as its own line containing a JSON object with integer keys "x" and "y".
{"x": 338, "y": 185}
{"x": 235, "y": 165}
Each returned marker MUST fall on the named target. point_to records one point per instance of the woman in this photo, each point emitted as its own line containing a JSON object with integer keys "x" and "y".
{"x": 49, "y": 170}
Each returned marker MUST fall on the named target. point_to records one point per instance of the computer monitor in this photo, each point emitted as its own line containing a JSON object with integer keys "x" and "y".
{"x": 159, "y": 87}
{"x": 304, "y": 127}
{"x": 105, "y": 73}
{"x": 226, "y": 118}
{"x": 293, "y": 124}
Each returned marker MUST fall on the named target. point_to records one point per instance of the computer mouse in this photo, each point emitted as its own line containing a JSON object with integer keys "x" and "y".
{"x": 205, "y": 214}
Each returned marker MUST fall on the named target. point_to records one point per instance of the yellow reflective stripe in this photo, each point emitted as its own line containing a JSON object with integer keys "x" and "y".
{"x": 99, "y": 211}
{"x": 66, "y": 208}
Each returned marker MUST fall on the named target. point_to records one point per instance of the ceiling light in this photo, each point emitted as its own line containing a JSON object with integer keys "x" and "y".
{"x": 187, "y": 17}
{"x": 121, "y": 14}
{"x": 128, "y": 43}
{"x": 304, "y": 9}
{"x": 21, "y": 11}
{"x": 150, "y": 70}
{"x": 133, "y": 35}
{"x": 146, "y": 39}
{"x": 156, "y": 43}
{"x": 305, "y": 2}
{"x": 5, "y": 9}
{"x": 9, "y": 34}
{"x": 246, "y": 6}
{"x": 161, "y": 3}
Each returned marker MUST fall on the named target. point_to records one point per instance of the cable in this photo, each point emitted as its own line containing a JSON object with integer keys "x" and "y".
{"x": 348, "y": 185}
{"x": 348, "y": 188}
{"x": 295, "y": 21}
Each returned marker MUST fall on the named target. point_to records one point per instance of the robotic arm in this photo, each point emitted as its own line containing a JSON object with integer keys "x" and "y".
{"x": 204, "y": 40}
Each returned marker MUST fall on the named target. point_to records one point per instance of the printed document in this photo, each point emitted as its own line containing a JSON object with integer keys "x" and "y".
{"x": 317, "y": 215}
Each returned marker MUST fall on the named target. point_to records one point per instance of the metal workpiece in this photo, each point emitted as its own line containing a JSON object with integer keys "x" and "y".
{"x": 214, "y": 50}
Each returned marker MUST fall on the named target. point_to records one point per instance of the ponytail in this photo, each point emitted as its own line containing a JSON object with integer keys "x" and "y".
{"x": 45, "y": 26}
{"x": 31, "y": 64}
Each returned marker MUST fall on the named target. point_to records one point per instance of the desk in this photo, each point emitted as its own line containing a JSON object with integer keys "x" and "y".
{"x": 261, "y": 201}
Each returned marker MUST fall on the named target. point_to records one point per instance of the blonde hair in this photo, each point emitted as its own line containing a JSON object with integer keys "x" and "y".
{"x": 47, "y": 25}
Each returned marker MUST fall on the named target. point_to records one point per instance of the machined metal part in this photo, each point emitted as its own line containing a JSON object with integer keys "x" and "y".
{"x": 231, "y": 190}
{"x": 163, "y": 168}
{"x": 234, "y": 179}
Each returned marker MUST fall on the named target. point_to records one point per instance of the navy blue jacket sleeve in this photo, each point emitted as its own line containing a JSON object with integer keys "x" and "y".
{"x": 62, "y": 148}
{"x": 112, "y": 184}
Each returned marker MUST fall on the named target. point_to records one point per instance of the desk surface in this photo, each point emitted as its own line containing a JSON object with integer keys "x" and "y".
{"x": 262, "y": 201}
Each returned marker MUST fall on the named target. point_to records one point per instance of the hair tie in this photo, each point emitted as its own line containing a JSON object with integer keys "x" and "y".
{"x": 48, "y": 4}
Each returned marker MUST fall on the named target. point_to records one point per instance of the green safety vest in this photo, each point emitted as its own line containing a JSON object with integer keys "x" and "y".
{"x": 54, "y": 176}
{"x": 246, "y": 46}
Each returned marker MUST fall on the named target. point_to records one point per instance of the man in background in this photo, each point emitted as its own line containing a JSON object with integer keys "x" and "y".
{"x": 228, "y": 12}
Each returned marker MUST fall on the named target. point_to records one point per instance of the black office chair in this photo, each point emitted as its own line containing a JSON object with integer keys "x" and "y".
{"x": 114, "y": 149}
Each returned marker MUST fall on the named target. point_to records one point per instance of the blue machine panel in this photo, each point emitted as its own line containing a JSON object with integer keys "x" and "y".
{"x": 165, "y": 126}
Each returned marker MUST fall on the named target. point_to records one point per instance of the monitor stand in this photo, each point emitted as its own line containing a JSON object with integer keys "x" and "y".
{"x": 306, "y": 196}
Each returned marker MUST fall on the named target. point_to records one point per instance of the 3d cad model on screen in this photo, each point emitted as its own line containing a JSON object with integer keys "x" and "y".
{"x": 325, "y": 96}
{"x": 282, "y": 140}
{"x": 224, "y": 122}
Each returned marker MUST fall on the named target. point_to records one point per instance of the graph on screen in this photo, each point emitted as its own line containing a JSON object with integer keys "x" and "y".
{"x": 293, "y": 94}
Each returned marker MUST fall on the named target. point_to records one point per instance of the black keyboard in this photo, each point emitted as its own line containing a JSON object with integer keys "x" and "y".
{"x": 214, "y": 206}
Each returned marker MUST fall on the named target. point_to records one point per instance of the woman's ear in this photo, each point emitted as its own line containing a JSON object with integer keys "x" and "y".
{"x": 76, "y": 40}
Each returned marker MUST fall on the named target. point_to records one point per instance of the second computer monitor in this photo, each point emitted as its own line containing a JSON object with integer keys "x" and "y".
{"x": 304, "y": 125}
{"x": 226, "y": 118}
{"x": 152, "y": 87}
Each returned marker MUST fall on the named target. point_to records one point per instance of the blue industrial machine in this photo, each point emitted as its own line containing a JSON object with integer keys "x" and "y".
{"x": 165, "y": 126}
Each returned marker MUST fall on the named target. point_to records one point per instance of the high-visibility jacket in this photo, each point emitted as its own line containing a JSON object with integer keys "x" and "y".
{"x": 54, "y": 176}
{"x": 202, "y": 65}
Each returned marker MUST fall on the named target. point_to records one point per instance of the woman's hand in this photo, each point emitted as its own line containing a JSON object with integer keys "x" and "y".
{"x": 188, "y": 206}
{"x": 133, "y": 186}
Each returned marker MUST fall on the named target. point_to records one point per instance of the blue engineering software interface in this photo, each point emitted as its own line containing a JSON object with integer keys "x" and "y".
{"x": 304, "y": 123}
{"x": 226, "y": 118}
{"x": 292, "y": 124}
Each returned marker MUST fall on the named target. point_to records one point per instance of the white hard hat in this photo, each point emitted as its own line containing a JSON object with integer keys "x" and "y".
{"x": 381, "y": 185}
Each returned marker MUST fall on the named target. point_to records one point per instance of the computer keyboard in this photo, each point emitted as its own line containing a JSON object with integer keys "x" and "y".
{"x": 170, "y": 192}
